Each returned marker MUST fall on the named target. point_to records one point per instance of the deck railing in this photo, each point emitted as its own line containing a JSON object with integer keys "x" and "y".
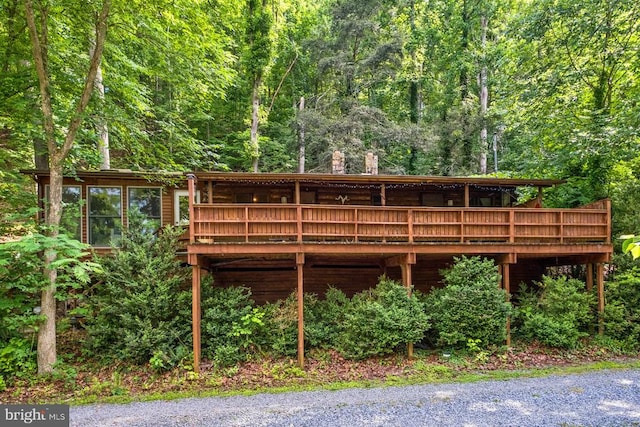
{"x": 219, "y": 223}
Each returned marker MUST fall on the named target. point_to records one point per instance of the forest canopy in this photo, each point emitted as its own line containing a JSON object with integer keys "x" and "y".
{"x": 447, "y": 87}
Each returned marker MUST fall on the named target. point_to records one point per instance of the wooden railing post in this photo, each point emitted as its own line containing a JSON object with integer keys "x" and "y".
{"x": 410, "y": 225}
{"x": 608, "y": 206}
{"x": 191, "y": 182}
{"x": 299, "y": 223}
{"x": 512, "y": 226}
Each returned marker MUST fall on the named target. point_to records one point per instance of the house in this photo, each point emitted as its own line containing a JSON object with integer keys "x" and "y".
{"x": 280, "y": 232}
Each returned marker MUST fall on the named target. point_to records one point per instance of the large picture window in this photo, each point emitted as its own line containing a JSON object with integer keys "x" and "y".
{"x": 147, "y": 200}
{"x": 71, "y": 212}
{"x": 105, "y": 215}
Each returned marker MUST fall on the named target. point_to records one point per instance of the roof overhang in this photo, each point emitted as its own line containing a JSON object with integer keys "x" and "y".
{"x": 310, "y": 178}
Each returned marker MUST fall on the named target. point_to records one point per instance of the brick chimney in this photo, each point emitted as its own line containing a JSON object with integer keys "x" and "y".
{"x": 337, "y": 163}
{"x": 371, "y": 164}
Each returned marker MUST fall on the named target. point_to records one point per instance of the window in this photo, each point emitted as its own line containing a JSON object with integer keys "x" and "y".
{"x": 105, "y": 215}
{"x": 181, "y": 206}
{"x": 147, "y": 200}
{"x": 71, "y": 212}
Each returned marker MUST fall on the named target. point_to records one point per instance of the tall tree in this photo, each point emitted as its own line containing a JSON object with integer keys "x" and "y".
{"x": 572, "y": 69}
{"x": 257, "y": 56}
{"x": 59, "y": 144}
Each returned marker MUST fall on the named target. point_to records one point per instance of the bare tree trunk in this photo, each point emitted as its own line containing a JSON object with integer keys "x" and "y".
{"x": 101, "y": 122}
{"x": 255, "y": 118}
{"x": 47, "y": 353}
{"x": 484, "y": 98}
{"x": 301, "y": 139}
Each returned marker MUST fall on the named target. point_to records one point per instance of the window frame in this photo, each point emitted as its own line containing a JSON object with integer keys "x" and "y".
{"x": 89, "y": 216}
{"x": 81, "y": 200}
{"x": 145, "y": 187}
{"x": 177, "y": 194}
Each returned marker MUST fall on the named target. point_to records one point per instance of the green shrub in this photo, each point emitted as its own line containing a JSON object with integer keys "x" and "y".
{"x": 470, "y": 306}
{"x": 231, "y": 324}
{"x": 17, "y": 357}
{"x": 379, "y": 320}
{"x": 555, "y": 314}
{"x": 622, "y": 311}
{"x": 140, "y": 309}
{"x": 281, "y": 324}
{"x": 324, "y": 319}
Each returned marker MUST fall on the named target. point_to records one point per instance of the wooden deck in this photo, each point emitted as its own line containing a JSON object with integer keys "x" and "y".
{"x": 286, "y": 223}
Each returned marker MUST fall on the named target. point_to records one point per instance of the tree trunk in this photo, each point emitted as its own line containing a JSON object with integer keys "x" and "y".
{"x": 484, "y": 97}
{"x": 301, "y": 139}
{"x": 255, "y": 118}
{"x": 47, "y": 352}
{"x": 101, "y": 122}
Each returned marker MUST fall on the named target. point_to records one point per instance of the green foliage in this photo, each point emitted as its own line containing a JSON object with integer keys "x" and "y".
{"x": 22, "y": 277}
{"x": 140, "y": 306}
{"x": 231, "y": 324}
{"x": 377, "y": 321}
{"x": 325, "y": 319}
{"x": 471, "y": 306}
{"x": 622, "y": 311}
{"x": 281, "y": 320}
{"x": 17, "y": 358}
{"x": 555, "y": 314}
{"x": 631, "y": 244}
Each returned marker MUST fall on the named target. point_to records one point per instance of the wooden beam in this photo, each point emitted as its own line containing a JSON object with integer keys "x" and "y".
{"x": 600, "y": 281}
{"x": 296, "y": 196}
{"x": 210, "y": 192}
{"x": 506, "y": 285}
{"x": 196, "y": 315}
{"x": 191, "y": 178}
{"x": 400, "y": 260}
{"x": 407, "y": 281}
{"x": 300, "y": 269}
{"x": 383, "y": 195}
{"x": 466, "y": 196}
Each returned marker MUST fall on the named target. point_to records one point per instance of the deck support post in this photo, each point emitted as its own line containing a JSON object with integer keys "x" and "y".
{"x": 196, "y": 315}
{"x": 506, "y": 285}
{"x": 300, "y": 270}
{"x": 600, "y": 282}
{"x": 407, "y": 281}
{"x": 192, "y": 180}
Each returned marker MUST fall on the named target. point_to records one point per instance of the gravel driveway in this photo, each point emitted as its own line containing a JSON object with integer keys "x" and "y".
{"x": 602, "y": 398}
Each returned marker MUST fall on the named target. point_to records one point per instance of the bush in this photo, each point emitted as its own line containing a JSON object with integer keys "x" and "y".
{"x": 21, "y": 280}
{"x": 622, "y": 311}
{"x": 379, "y": 320}
{"x": 140, "y": 309}
{"x": 230, "y": 324}
{"x": 555, "y": 314}
{"x": 325, "y": 319}
{"x": 471, "y": 306}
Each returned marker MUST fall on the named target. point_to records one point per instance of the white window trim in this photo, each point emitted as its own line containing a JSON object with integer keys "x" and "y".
{"x": 177, "y": 194}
